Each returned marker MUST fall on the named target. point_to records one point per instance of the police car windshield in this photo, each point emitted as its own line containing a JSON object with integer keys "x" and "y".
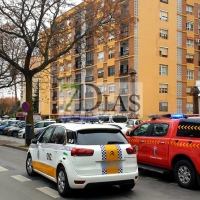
{"x": 100, "y": 137}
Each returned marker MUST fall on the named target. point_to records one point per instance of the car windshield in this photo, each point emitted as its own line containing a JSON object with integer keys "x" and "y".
{"x": 4, "y": 123}
{"x": 100, "y": 137}
{"x": 119, "y": 119}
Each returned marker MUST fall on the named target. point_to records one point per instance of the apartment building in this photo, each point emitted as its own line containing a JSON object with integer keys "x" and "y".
{"x": 162, "y": 49}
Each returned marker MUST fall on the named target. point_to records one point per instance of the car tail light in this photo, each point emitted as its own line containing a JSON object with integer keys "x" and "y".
{"x": 131, "y": 150}
{"x": 82, "y": 152}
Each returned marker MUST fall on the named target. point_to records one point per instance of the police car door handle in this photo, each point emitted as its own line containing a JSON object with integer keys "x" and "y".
{"x": 161, "y": 142}
{"x": 142, "y": 141}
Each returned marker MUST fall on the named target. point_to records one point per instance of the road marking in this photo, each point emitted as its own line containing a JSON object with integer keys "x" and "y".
{"x": 21, "y": 178}
{"x": 2, "y": 169}
{"x": 49, "y": 191}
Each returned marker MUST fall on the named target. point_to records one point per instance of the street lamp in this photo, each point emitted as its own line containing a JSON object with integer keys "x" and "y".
{"x": 132, "y": 73}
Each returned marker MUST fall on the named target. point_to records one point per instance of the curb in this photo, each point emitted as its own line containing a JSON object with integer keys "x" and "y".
{"x": 13, "y": 147}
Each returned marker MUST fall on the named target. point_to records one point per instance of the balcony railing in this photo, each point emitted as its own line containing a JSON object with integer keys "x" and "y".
{"x": 89, "y": 62}
{"x": 77, "y": 66}
{"x": 100, "y": 75}
{"x": 54, "y": 111}
{"x": 123, "y": 90}
{"x": 77, "y": 80}
{"x": 123, "y": 72}
{"x": 54, "y": 85}
{"x": 124, "y": 53}
{"x": 54, "y": 98}
{"x": 89, "y": 94}
{"x": 123, "y": 34}
{"x": 89, "y": 78}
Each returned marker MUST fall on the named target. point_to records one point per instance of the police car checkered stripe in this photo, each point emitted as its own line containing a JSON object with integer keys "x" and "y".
{"x": 103, "y": 154}
{"x": 119, "y": 152}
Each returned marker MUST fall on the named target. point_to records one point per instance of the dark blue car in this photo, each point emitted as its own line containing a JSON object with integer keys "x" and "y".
{"x": 5, "y": 124}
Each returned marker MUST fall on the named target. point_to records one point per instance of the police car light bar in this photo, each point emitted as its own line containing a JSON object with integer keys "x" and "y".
{"x": 170, "y": 116}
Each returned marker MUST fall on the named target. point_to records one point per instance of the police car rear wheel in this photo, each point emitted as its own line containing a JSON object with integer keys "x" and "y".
{"x": 127, "y": 186}
{"x": 185, "y": 174}
{"x": 29, "y": 166}
{"x": 62, "y": 183}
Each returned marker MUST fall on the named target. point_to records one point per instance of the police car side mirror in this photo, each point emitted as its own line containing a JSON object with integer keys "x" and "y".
{"x": 34, "y": 141}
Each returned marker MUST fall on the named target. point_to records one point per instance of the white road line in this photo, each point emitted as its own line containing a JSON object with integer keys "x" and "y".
{"x": 21, "y": 178}
{"x": 49, "y": 191}
{"x": 2, "y": 169}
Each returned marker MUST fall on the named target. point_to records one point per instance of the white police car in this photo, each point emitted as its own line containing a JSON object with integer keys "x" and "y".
{"x": 79, "y": 156}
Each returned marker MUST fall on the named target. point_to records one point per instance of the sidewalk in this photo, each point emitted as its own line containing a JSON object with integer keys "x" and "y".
{"x": 12, "y": 142}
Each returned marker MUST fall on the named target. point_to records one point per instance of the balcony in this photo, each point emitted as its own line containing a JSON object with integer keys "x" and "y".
{"x": 123, "y": 72}
{"x": 89, "y": 46}
{"x": 124, "y": 53}
{"x": 89, "y": 94}
{"x": 89, "y": 62}
{"x": 123, "y": 90}
{"x": 89, "y": 78}
{"x": 54, "y": 98}
{"x": 77, "y": 65}
{"x": 54, "y": 85}
{"x": 123, "y": 34}
{"x": 100, "y": 75}
{"x": 54, "y": 111}
{"x": 77, "y": 80}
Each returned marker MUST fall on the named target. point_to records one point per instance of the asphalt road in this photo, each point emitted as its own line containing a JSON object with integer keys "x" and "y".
{"x": 17, "y": 185}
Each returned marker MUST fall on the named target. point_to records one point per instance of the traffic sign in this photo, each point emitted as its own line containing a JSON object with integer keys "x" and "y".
{"x": 25, "y": 106}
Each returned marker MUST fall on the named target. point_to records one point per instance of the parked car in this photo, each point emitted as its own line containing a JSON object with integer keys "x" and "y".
{"x": 38, "y": 126}
{"x": 5, "y": 123}
{"x": 122, "y": 126}
{"x": 133, "y": 122}
{"x": 14, "y": 130}
{"x": 13, "y": 124}
{"x": 83, "y": 155}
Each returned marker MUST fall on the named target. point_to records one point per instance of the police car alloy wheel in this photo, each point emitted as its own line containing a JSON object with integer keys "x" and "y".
{"x": 15, "y": 134}
{"x": 29, "y": 166}
{"x": 62, "y": 183}
{"x": 185, "y": 174}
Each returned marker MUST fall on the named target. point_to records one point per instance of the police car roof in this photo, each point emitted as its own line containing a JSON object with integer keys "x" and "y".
{"x": 76, "y": 127}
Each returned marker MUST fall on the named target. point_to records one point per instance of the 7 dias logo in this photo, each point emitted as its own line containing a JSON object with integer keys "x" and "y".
{"x": 119, "y": 97}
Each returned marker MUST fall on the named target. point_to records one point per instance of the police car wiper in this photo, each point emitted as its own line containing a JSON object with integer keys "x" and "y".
{"x": 115, "y": 142}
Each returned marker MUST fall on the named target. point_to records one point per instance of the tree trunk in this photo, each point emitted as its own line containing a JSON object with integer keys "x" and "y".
{"x": 29, "y": 119}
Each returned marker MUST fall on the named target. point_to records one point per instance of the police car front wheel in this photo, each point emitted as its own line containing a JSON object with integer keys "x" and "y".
{"x": 29, "y": 166}
{"x": 62, "y": 183}
{"x": 185, "y": 174}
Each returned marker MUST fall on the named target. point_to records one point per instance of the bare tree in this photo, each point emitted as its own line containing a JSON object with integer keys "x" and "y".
{"x": 33, "y": 28}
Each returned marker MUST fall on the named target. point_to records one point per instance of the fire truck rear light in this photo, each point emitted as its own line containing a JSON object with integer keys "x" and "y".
{"x": 79, "y": 182}
{"x": 82, "y": 152}
{"x": 131, "y": 150}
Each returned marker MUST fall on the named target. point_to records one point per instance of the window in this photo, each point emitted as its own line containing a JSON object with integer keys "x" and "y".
{"x": 101, "y": 106}
{"x": 61, "y": 94}
{"x": 164, "y": 1}
{"x": 69, "y": 93}
{"x": 189, "y": 107}
{"x": 189, "y": 58}
{"x": 100, "y": 73}
{"x": 58, "y": 135}
{"x": 39, "y": 125}
{"x": 101, "y": 40}
{"x": 61, "y": 108}
{"x": 62, "y": 68}
{"x": 159, "y": 130}
{"x": 111, "y": 54}
{"x": 69, "y": 65}
{"x": 163, "y": 88}
{"x": 101, "y": 88}
{"x": 190, "y": 43}
{"x": 111, "y": 36}
{"x": 163, "y": 15}
{"x": 46, "y": 135}
{"x": 190, "y": 26}
{"x": 163, "y": 106}
{"x": 142, "y": 130}
{"x": 111, "y": 71}
{"x": 69, "y": 79}
{"x": 62, "y": 81}
{"x": 163, "y": 70}
{"x": 101, "y": 56}
{"x": 189, "y": 9}
{"x": 164, "y": 33}
{"x": 111, "y": 89}
{"x": 190, "y": 74}
{"x": 163, "y": 51}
